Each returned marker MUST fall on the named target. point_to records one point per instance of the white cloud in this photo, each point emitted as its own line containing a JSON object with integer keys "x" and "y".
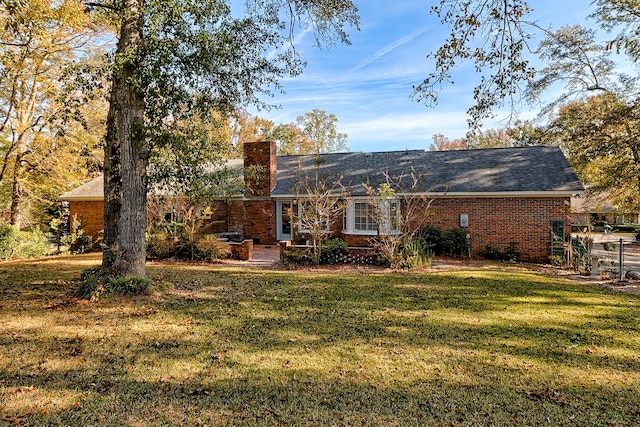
{"x": 403, "y": 131}
{"x": 390, "y": 47}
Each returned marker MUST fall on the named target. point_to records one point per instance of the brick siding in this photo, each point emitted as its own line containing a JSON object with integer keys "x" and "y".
{"x": 526, "y": 221}
{"x": 225, "y": 217}
{"x": 90, "y": 214}
{"x": 495, "y": 221}
{"x": 260, "y": 221}
{"x": 262, "y": 154}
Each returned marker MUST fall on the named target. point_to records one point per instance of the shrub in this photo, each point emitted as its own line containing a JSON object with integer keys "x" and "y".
{"x": 455, "y": 242}
{"x": 510, "y": 253}
{"x": 160, "y": 246}
{"x": 95, "y": 282}
{"x": 431, "y": 238}
{"x": 77, "y": 241}
{"x": 22, "y": 244}
{"x": 492, "y": 253}
{"x": 558, "y": 260}
{"x": 332, "y": 251}
{"x": 209, "y": 248}
{"x": 8, "y": 238}
{"x": 297, "y": 256}
{"x": 129, "y": 286}
{"x": 32, "y": 244}
{"x": 413, "y": 254}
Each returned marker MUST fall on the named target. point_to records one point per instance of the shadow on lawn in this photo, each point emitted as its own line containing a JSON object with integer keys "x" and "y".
{"x": 295, "y": 348}
{"x": 542, "y": 320}
{"x": 308, "y": 397}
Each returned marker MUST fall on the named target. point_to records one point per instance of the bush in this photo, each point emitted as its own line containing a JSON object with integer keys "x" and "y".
{"x": 95, "y": 282}
{"x": 492, "y": 253}
{"x": 558, "y": 261}
{"x": 455, "y": 242}
{"x": 22, "y": 244}
{"x": 510, "y": 253}
{"x": 8, "y": 239}
{"x": 31, "y": 244}
{"x": 210, "y": 248}
{"x": 413, "y": 254}
{"x": 297, "y": 256}
{"x": 160, "y": 246}
{"x": 207, "y": 248}
{"x": 332, "y": 251}
{"x": 77, "y": 241}
{"x": 431, "y": 238}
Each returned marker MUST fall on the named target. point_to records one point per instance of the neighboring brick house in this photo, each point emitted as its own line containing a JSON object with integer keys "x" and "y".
{"x": 500, "y": 196}
{"x": 595, "y": 209}
{"x": 86, "y": 207}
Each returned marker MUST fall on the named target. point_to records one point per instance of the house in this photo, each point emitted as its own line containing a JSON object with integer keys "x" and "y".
{"x": 501, "y": 197}
{"x": 595, "y": 209}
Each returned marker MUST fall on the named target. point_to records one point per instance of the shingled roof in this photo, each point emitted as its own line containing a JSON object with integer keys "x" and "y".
{"x": 92, "y": 190}
{"x": 538, "y": 170}
{"x": 535, "y": 170}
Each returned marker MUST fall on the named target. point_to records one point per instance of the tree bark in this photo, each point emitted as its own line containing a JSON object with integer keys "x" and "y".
{"x": 17, "y": 190}
{"x": 126, "y": 155}
{"x": 17, "y": 193}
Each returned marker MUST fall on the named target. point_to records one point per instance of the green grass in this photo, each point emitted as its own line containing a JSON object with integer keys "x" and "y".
{"x": 256, "y": 347}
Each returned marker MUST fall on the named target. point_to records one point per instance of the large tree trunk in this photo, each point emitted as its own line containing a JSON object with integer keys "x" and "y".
{"x": 126, "y": 155}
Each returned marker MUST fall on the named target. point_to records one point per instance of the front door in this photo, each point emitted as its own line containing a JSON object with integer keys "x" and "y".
{"x": 285, "y": 220}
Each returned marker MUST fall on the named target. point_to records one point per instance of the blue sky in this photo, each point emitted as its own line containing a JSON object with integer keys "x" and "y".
{"x": 368, "y": 84}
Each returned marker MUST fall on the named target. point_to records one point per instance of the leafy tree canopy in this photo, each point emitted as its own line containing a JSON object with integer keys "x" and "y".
{"x": 601, "y": 136}
{"x": 497, "y": 36}
{"x": 177, "y": 59}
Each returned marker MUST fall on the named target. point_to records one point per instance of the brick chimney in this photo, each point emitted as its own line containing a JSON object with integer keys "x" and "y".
{"x": 262, "y": 156}
{"x": 259, "y": 210}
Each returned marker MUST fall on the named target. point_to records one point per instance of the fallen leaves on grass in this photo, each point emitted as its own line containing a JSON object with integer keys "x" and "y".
{"x": 551, "y": 395}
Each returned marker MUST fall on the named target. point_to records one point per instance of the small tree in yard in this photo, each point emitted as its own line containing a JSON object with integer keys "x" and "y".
{"x": 400, "y": 213}
{"x": 319, "y": 199}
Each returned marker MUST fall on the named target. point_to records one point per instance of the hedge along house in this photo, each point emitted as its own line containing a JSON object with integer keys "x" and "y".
{"x": 502, "y": 197}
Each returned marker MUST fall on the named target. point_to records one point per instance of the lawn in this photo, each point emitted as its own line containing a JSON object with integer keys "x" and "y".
{"x": 224, "y": 346}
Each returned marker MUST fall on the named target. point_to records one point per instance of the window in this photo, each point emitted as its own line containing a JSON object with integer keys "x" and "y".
{"x": 173, "y": 217}
{"x": 390, "y": 221}
{"x": 365, "y": 218}
{"x": 309, "y": 219}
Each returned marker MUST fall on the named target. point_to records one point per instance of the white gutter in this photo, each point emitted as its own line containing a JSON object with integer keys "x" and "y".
{"x": 457, "y": 195}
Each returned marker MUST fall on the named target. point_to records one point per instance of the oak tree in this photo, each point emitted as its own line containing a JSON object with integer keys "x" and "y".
{"x": 177, "y": 58}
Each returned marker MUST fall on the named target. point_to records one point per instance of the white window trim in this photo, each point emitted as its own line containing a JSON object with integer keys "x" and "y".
{"x": 383, "y": 223}
{"x": 385, "y": 210}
